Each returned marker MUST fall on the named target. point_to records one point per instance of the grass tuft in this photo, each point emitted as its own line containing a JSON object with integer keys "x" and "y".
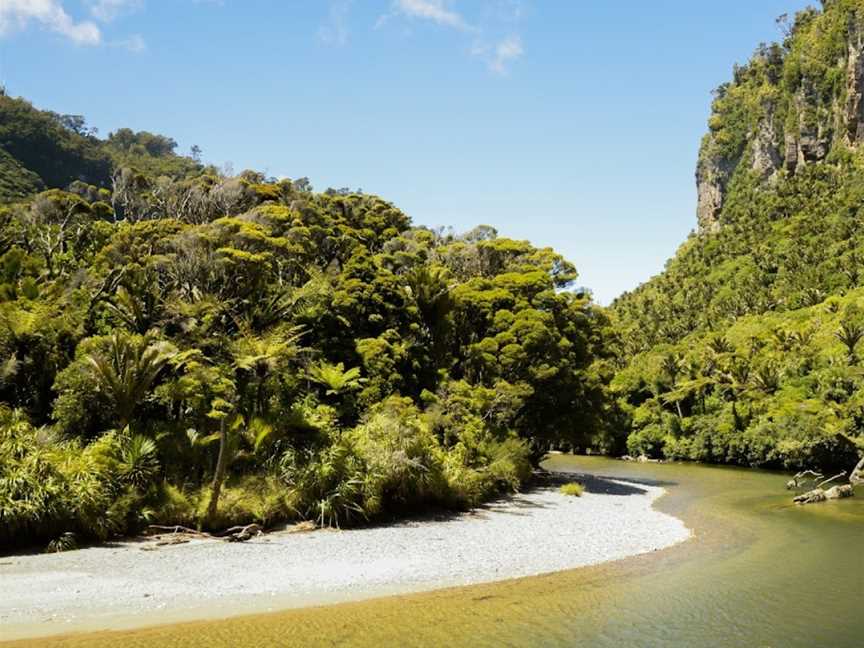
{"x": 573, "y": 489}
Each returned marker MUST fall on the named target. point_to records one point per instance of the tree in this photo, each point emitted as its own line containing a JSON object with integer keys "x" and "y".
{"x": 127, "y": 372}
{"x": 55, "y": 223}
{"x": 221, "y": 412}
{"x": 850, "y": 334}
{"x": 257, "y": 358}
{"x": 335, "y": 378}
{"x": 128, "y": 195}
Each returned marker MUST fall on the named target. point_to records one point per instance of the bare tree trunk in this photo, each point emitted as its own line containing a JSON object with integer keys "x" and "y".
{"x": 221, "y": 467}
{"x": 819, "y": 494}
{"x": 857, "y": 475}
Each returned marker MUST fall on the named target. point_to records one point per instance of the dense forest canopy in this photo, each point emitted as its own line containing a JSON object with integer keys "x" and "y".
{"x": 180, "y": 346}
{"x": 745, "y": 349}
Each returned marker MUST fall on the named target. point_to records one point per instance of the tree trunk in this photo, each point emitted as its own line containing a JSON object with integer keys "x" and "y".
{"x": 857, "y": 476}
{"x": 221, "y": 467}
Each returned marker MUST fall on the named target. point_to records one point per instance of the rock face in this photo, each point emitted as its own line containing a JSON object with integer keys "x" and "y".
{"x": 766, "y": 151}
{"x": 854, "y": 109}
{"x": 786, "y": 109}
{"x": 712, "y": 174}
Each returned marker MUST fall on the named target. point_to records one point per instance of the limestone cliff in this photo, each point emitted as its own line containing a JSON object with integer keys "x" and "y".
{"x": 794, "y": 104}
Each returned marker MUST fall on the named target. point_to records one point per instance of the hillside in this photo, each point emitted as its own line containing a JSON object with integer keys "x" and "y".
{"x": 42, "y": 149}
{"x": 744, "y": 349}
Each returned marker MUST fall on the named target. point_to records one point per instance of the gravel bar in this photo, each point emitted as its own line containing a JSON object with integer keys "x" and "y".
{"x": 120, "y": 585}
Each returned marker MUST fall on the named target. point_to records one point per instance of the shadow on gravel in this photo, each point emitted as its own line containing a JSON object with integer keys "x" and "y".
{"x": 606, "y": 485}
{"x": 512, "y": 505}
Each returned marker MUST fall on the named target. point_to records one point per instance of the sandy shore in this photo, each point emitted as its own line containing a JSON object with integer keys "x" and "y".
{"x": 123, "y": 585}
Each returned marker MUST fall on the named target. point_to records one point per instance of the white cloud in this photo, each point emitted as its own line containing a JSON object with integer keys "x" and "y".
{"x": 135, "y": 44}
{"x": 486, "y": 29}
{"x": 435, "y": 10}
{"x": 108, "y": 10}
{"x": 510, "y": 10}
{"x": 335, "y": 30}
{"x": 504, "y": 53}
{"x": 499, "y": 55}
{"x": 18, "y": 14}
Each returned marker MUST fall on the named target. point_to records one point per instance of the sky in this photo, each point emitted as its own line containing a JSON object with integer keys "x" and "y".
{"x": 569, "y": 123}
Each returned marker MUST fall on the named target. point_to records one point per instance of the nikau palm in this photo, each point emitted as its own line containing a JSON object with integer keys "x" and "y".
{"x": 850, "y": 334}
{"x": 127, "y": 372}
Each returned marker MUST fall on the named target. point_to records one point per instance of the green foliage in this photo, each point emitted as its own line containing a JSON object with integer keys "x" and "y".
{"x": 127, "y": 371}
{"x": 572, "y": 489}
{"x": 335, "y": 378}
{"x": 66, "y": 542}
{"x": 206, "y": 350}
{"x": 16, "y": 181}
{"x": 45, "y": 145}
{"x": 248, "y": 499}
{"x": 745, "y": 349}
{"x": 777, "y": 389}
{"x": 49, "y": 488}
{"x": 139, "y": 461}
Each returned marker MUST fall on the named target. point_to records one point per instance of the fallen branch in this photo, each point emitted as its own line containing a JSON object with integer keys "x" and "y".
{"x": 828, "y": 481}
{"x": 172, "y": 540}
{"x": 857, "y": 475}
{"x": 839, "y": 492}
{"x": 821, "y": 495}
{"x": 302, "y": 527}
{"x": 232, "y": 534}
{"x": 240, "y": 533}
{"x": 159, "y": 529}
{"x": 795, "y": 482}
{"x": 640, "y": 459}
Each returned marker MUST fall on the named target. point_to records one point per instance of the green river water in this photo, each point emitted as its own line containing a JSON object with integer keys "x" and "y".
{"x": 758, "y": 572}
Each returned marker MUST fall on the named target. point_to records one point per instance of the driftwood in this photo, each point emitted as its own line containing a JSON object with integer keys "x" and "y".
{"x": 821, "y": 495}
{"x": 178, "y": 534}
{"x": 640, "y": 459}
{"x": 818, "y": 492}
{"x": 157, "y": 529}
{"x": 829, "y": 480}
{"x": 798, "y": 480}
{"x": 172, "y": 540}
{"x": 857, "y": 475}
{"x": 302, "y": 527}
{"x": 240, "y": 533}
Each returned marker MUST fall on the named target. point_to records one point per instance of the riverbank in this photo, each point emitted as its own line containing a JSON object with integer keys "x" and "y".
{"x": 135, "y": 583}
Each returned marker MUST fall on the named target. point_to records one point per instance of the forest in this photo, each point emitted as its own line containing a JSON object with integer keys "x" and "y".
{"x": 180, "y": 345}
{"x": 746, "y": 349}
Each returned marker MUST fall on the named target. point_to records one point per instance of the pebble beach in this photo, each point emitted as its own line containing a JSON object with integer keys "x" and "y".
{"x": 136, "y": 583}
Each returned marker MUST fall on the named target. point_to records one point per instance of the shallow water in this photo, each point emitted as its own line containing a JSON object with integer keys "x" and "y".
{"x": 758, "y": 573}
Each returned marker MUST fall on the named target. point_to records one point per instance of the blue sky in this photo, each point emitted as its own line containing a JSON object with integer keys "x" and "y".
{"x": 573, "y": 124}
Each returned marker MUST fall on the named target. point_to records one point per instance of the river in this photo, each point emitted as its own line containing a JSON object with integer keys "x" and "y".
{"x": 759, "y": 572}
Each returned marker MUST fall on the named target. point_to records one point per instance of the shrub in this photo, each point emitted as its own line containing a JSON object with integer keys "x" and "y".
{"x": 403, "y": 469}
{"x": 173, "y": 506}
{"x": 572, "y": 489}
{"x": 248, "y": 499}
{"x": 324, "y": 483}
